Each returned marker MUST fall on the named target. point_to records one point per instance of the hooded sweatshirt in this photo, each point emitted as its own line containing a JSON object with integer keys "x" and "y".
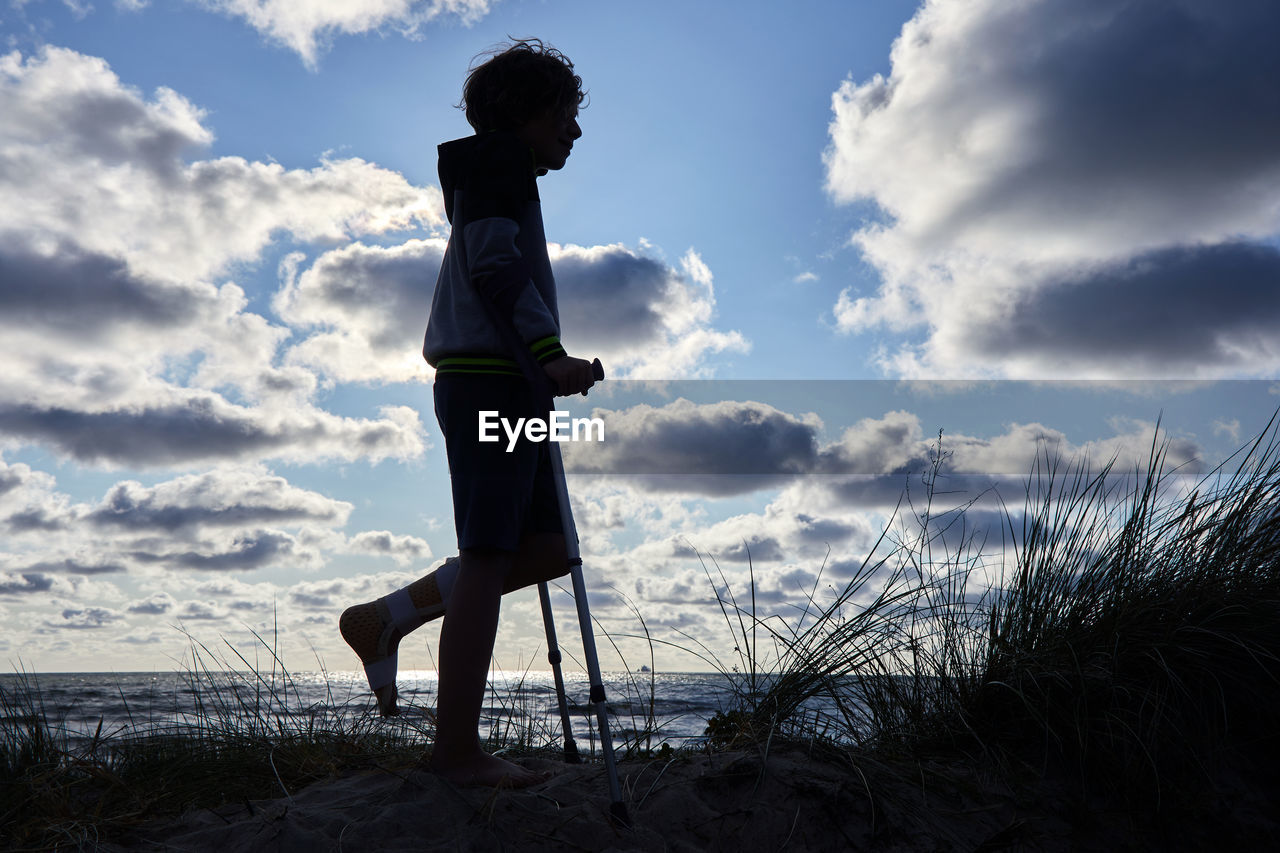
{"x": 497, "y": 253}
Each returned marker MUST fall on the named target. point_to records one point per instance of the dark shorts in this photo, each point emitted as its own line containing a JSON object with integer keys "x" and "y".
{"x": 499, "y": 498}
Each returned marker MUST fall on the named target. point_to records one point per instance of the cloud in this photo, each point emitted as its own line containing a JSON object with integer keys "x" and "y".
{"x": 11, "y": 477}
{"x": 305, "y": 26}
{"x": 640, "y": 316}
{"x": 37, "y": 520}
{"x": 737, "y": 447}
{"x": 28, "y": 502}
{"x": 1049, "y": 163}
{"x": 200, "y": 611}
{"x": 90, "y": 618}
{"x": 718, "y": 448}
{"x": 674, "y": 578}
{"x": 89, "y": 160}
{"x": 371, "y": 306}
{"x": 154, "y": 605}
{"x": 206, "y": 428}
{"x": 975, "y": 468}
{"x": 1182, "y": 310}
{"x": 117, "y": 348}
{"x": 366, "y": 309}
{"x": 88, "y": 297}
{"x": 78, "y": 566}
{"x": 167, "y": 534}
{"x": 218, "y": 498}
{"x": 402, "y": 549}
{"x": 253, "y": 551}
{"x": 27, "y": 582}
{"x": 612, "y": 296}
{"x": 335, "y": 594}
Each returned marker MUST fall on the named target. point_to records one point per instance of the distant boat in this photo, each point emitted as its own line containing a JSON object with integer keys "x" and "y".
{"x": 644, "y": 669}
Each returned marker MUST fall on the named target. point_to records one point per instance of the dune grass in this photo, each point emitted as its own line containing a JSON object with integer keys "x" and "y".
{"x": 1130, "y": 641}
{"x": 249, "y": 736}
{"x": 1122, "y": 630}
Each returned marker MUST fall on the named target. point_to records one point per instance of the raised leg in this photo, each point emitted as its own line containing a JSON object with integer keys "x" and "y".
{"x": 374, "y": 635}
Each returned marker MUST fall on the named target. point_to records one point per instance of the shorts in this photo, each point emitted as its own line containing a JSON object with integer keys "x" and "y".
{"x": 499, "y": 498}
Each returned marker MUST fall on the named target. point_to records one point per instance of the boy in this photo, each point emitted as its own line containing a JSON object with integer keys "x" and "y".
{"x": 523, "y": 103}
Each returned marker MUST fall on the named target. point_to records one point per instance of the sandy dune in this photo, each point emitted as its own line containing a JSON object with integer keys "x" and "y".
{"x": 788, "y": 799}
{"x": 728, "y": 801}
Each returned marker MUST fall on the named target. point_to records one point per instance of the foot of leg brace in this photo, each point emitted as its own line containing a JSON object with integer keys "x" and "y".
{"x": 398, "y": 616}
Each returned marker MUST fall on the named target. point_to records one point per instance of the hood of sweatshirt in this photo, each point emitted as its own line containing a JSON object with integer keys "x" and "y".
{"x": 495, "y": 169}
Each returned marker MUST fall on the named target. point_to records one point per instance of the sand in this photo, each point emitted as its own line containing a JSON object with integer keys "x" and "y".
{"x": 745, "y": 800}
{"x": 738, "y": 800}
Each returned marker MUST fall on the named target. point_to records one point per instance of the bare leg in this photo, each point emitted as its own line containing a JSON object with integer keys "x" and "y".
{"x": 466, "y": 647}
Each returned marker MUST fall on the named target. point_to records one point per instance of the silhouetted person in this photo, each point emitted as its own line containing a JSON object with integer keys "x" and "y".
{"x": 523, "y": 103}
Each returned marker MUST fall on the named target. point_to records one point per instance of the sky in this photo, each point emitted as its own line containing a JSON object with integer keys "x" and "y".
{"x": 804, "y": 241}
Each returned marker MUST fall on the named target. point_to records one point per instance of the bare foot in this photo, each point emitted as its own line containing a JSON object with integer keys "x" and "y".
{"x": 484, "y": 770}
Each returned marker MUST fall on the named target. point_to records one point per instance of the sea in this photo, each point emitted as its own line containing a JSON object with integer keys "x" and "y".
{"x": 645, "y": 708}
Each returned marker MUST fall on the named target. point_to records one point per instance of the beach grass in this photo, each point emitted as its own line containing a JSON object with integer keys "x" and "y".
{"x": 249, "y": 737}
{"x": 1119, "y": 634}
{"x": 1128, "y": 646}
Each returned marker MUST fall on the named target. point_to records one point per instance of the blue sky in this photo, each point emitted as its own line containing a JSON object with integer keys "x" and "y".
{"x": 220, "y": 225}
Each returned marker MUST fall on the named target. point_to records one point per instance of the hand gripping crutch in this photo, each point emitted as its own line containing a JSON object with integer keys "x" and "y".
{"x": 541, "y": 385}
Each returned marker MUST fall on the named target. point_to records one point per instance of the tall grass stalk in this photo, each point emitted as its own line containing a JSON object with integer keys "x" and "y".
{"x": 1124, "y": 627}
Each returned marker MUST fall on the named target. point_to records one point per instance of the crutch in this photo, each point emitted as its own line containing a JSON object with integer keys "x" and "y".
{"x": 571, "y": 755}
{"x": 597, "y": 697}
{"x": 541, "y": 385}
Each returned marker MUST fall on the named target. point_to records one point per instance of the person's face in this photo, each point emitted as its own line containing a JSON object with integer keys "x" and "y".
{"x": 551, "y": 137}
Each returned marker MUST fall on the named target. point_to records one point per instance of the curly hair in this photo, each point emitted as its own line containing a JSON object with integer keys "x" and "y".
{"x": 518, "y": 82}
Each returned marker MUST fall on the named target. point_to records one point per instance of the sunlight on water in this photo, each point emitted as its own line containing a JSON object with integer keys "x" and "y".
{"x": 676, "y": 705}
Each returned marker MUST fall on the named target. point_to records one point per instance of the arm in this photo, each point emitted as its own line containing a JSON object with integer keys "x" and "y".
{"x": 500, "y": 276}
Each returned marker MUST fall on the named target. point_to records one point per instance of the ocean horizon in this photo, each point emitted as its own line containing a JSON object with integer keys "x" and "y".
{"x": 665, "y": 706}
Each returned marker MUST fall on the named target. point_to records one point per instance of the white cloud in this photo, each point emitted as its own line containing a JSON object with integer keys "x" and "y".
{"x": 186, "y": 428}
{"x": 713, "y": 448}
{"x": 229, "y": 519}
{"x": 91, "y": 618}
{"x": 305, "y": 25}
{"x": 366, "y": 307}
{"x": 29, "y": 503}
{"x": 370, "y": 305}
{"x": 403, "y": 549}
{"x": 1068, "y": 186}
{"x": 154, "y": 604}
{"x": 227, "y": 497}
{"x": 117, "y": 348}
{"x": 641, "y": 317}
{"x": 88, "y": 160}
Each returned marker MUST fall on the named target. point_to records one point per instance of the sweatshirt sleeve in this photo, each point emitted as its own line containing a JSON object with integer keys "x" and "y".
{"x": 499, "y": 274}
